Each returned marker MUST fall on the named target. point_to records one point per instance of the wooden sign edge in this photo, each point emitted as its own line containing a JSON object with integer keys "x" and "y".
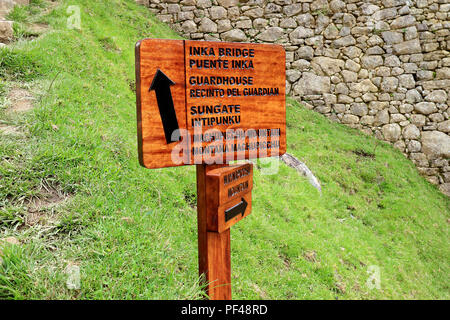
{"x": 137, "y": 54}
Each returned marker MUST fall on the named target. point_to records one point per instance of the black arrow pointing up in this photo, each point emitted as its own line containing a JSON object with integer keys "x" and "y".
{"x": 236, "y": 210}
{"x": 161, "y": 84}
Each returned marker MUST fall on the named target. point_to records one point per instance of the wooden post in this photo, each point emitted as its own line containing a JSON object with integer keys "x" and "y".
{"x": 214, "y": 260}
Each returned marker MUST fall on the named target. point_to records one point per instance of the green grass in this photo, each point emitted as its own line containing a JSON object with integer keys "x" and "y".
{"x": 80, "y": 142}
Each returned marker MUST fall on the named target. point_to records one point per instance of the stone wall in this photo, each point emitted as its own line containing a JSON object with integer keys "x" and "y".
{"x": 6, "y": 27}
{"x": 382, "y": 66}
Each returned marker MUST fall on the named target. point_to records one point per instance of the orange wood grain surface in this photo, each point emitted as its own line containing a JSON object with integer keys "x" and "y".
{"x": 218, "y": 184}
{"x": 213, "y": 247}
{"x": 168, "y": 56}
{"x": 263, "y": 113}
{"x": 219, "y": 265}
{"x": 220, "y": 225}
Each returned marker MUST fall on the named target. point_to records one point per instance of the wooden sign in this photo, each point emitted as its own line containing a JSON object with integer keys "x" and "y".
{"x": 204, "y": 102}
{"x": 209, "y": 103}
{"x": 229, "y": 197}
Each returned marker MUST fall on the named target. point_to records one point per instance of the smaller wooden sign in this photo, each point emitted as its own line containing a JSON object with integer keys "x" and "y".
{"x": 229, "y": 197}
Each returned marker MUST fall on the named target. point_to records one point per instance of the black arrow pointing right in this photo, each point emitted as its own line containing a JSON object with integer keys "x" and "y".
{"x": 236, "y": 210}
{"x": 161, "y": 84}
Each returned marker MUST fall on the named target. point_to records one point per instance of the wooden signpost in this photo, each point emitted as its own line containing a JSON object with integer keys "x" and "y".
{"x": 210, "y": 103}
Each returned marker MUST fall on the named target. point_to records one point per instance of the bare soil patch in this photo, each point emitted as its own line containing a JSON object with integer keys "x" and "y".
{"x": 41, "y": 210}
{"x": 9, "y": 130}
{"x": 38, "y": 28}
{"x": 21, "y": 100}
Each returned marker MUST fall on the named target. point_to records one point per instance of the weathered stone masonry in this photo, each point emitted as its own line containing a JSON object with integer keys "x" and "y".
{"x": 382, "y": 66}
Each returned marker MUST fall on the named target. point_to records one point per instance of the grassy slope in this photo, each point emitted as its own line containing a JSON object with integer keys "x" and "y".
{"x": 81, "y": 141}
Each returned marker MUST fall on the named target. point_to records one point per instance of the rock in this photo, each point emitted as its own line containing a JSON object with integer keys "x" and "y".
{"x": 186, "y": 15}
{"x": 293, "y": 75}
{"x": 408, "y": 47}
{"x": 410, "y": 33}
{"x": 207, "y": 25}
{"x": 305, "y": 20}
{"x": 407, "y": 81}
{"x": 385, "y": 14}
{"x": 341, "y": 88}
{"x": 288, "y": 23}
{"x": 305, "y": 53}
{"x": 344, "y": 42}
{"x": 329, "y": 99}
{"x": 352, "y": 52}
{"x": 375, "y": 51}
{"x": 364, "y": 86}
{"x": 393, "y": 3}
{"x": 272, "y": 34}
{"x": 397, "y": 118}
{"x": 6, "y": 31}
{"x": 349, "y": 76}
{"x": 360, "y": 31}
{"x": 228, "y": 3}
{"x": 391, "y": 132}
{"x": 418, "y": 119}
{"x": 189, "y": 26}
{"x": 350, "y": 119}
{"x": 301, "y": 64}
{"x": 342, "y": 98}
{"x": 374, "y": 40}
{"x": 436, "y": 84}
{"x": 410, "y": 67}
{"x": 392, "y": 37}
{"x": 243, "y": 24}
{"x": 369, "y": 9}
{"x": 235, "y": 35}
{"x": 406, "y": 108}
{"x": 367, "y": 120}
{"x": 359, "y": 109}
{"x": 389, "y": 84}
{"x": 254, "y": 13}
{"x": 272, "y": 8}
{"x": 411, "y": 132}
{"x": 392, "y": 61}
{"x": 425, "y": 107}
{"x": 403, "y": 22}
{"x": 293, "y": 162}
{"x": 203, "y": 4}
{"x": 438, "y": 96}
{"x": 352, "y": 65}
{"x": 400, "y": 145}
{"x": 217, "y": 12}
{"x": 371, "y": 62}
{"x": 293, "y": 9}
{"x": 413, "y": 96}
{"x": 312, "y": 84}
{"x": 414, "y": 146}
{"x": 445, "y": 188}
{"x": 223, "y": 25}
{"x": 300, "y": 33}
{"x": 435, "y": 144}
{"x": 337, "y": 6}
{"x": 443, "y": 73}
{"x": 331, "y": 32}
{"x": 444, "y": 126}
{"x": 260, "y": 23}
{"x": 382, "y": 117}
{"x": 328, "y": 65}
{"x": 173, "y": 8}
